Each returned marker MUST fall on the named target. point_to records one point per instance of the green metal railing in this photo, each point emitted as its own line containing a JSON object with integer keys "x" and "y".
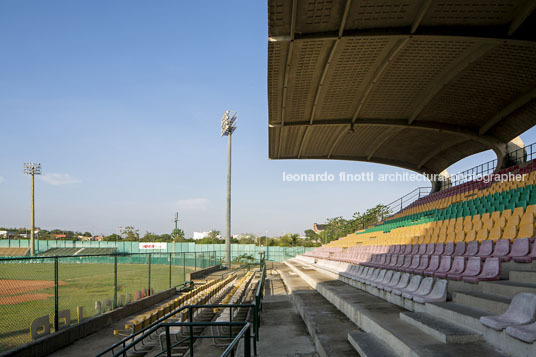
{"x": 161, "y": 323}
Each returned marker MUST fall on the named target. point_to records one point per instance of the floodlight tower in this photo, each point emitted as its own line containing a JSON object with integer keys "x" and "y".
{"x": 227, "y": 128}
{"x": 32, "y": 169}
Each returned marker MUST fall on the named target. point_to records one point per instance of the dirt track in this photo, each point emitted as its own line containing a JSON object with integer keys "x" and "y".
{"x": 12, "y": 291}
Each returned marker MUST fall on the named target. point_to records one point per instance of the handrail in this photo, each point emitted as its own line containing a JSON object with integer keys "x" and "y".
{"x": 146, "y": 331}
{"x": 247, "y": 347}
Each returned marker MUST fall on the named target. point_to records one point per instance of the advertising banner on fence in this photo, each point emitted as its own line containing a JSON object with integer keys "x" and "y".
{"x": 162, "y": 246}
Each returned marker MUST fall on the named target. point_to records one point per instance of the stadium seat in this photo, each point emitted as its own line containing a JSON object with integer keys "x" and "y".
{"x": 502, "y": 249}
{"x": 525, "y": 333}
{"x": 490, "y": 271}
{"x": 413, "y": 285}
{"x": 444, "y": 267}
{"x": 424, "y": 289}
{"x": 402, "y": 283}
{"x": 521, "y": 311}
{"x": 438, "y": 293}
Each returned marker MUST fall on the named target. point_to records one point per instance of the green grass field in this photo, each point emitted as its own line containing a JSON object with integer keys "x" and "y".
{"x": 83, "y": 285}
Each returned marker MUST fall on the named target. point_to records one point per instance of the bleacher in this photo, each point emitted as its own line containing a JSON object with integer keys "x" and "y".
{"x": 14, "y": 252}
{"x": 77, "y": 251}
{"x": 231, "y": 290}
{"x": 464, "y": 254}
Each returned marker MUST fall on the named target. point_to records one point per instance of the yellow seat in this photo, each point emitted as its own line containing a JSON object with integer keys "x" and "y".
{"x": 531, "y": 209}
{"x": 451, "y": 236}
{"x": 495, "y": 233}
{"x": 526, "y": 231}
{"x": 510, "y": 232}
{"x": 482, "y": 235}
{"x": 527, "y": 218}
{"x": 518, "y": 211}
{"x": 470, "y": 236}
{"x": 460, "y": 236}
{"x": 500, "y": 223}
{"x": 477, "y": 226}
{"x": 513, "y": 221}
{"x": 495, "y": 215}
{"x": 507, "y": 213}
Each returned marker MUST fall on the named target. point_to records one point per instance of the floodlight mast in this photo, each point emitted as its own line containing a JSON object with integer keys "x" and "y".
{"x": 227, "y": 128}
{"x": 32, "y": 169}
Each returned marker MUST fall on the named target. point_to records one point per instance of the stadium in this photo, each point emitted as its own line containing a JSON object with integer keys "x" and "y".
{"x": 445, "y": 270}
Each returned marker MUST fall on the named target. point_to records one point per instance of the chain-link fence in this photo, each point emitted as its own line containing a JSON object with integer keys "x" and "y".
{"x": 64, "y": 290}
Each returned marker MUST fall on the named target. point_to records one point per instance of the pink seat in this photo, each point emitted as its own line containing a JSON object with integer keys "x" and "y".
{"x": 527, "y": 258}
{"x": 444, "y": 267}
{"x": 406, "y": 264}
{"x": 430, "y": 249}
{"x": 460, "y": 248}
{"x": 520, "y": 248}
{"x": 439, "y": 249}
{"x": 473, "y": 268}
{"x": 392, "y": 262}
{"x": 449, "y": 249}
{"x": 425, "y": 260}
{"x": 407, "y": 249}
{"x": 392, "y": 249}
{"x": 399, "y": 262}
{"x": 414, "y": 249}
{"x": 502, "y": 249}
{"x": 415, "y": 261}
{"x": 458, "y": 266}
{"x": 397, "y": 249}
{"x": 490, "y": 271}
{"x": 486, "y": 249}
{"x": 434, "y": 264}
{"x": 472, "y": 249}
{"x": 422, "y": 249}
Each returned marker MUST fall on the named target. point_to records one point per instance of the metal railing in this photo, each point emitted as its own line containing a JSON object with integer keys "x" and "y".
{"x": 406, "y": 200}
{"x": 140, "y": 336}
{"x": 513, "y": 157}
{"x": 69, "y": 289}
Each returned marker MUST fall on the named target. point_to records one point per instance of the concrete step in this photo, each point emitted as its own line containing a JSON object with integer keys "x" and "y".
{"x": 494, "y": 304}
{"x": 507, "y": 288}
{"x": 367, "y": 345}
{"x": 442, "y": 330}
{"x": 460, "y": 315}
{"x": 382, "y": 319}
{"x": 522, "y": 276}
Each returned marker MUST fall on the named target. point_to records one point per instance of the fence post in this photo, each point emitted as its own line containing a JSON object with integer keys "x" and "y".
{"x": 183, "y": 267}
{"x": 195, "y": 261}
{"x": 170, "y": 269}
{"x": 168, "y": 342}
{"x": 247, "y": 343}
{"x": 149, "y": 276}
{"x": 56, "y": 294}
{"x": 115, "y": 281}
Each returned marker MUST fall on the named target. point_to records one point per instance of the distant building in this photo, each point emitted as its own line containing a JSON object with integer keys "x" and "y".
{"x": 98, "y": 238}
{"x": 59, "y": 236}
{"x": 201, "y": 235}
{"x": 318, "y": 227}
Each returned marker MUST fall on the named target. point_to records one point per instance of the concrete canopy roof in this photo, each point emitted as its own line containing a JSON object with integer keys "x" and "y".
{"x": 415, "y": 84}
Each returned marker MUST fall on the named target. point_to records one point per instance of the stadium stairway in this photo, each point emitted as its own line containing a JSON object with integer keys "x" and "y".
{"x": 448, "y": 328}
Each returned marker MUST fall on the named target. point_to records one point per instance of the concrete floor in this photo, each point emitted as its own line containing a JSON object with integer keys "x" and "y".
{"x": 282, "y": 331}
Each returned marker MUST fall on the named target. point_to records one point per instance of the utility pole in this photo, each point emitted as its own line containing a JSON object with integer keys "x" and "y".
{"x": 32, "y": 169}
{"x": 227, "y": 129}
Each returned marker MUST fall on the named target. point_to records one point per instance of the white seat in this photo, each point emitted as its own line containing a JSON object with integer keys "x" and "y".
{"x": 424, "y": 289}
{"x": 402, "y": 283}
{"x": 438, "y": 293}
{"x": 413, "y": 285}
{"x": 522, "y": 311}
{"x": 526, "y": 333}
{"x": 394, "y": 280}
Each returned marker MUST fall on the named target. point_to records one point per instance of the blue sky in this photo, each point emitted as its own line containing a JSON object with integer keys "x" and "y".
{"x": 121, "y": 101}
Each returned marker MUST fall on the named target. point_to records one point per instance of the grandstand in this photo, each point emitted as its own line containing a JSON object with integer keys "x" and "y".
{"x": 77, "y": 251}
{"x": 417, "y": 85}
{"x": 14, "y": 252}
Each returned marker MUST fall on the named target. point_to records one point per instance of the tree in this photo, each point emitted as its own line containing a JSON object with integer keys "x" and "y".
{"x": 131, "y": 234}
{"x": 178, "y": 235}
{"x": 289, "y": 240}
{"x": 112, "y": 238}
{"x": 311, "y": 235}
{"x": 87, "y": 234}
